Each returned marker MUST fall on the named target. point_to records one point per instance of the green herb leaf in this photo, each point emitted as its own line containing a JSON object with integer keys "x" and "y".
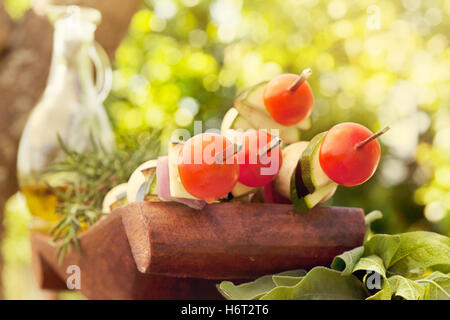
{"x": 95, "y": 172}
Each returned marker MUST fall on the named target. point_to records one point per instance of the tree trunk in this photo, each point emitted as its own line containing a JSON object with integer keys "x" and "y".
{"x": 6, "y": 26}
{"x": 24, "y": 66}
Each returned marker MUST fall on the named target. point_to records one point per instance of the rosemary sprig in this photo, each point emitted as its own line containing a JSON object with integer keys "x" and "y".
{"x": 97, "y": 171}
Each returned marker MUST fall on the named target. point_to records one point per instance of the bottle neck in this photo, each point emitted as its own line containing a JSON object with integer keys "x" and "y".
{"x": 71, "y": 64}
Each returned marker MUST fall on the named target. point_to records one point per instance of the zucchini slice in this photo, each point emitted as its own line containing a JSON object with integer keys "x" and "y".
{"x": 289, "y": 182}
{"x": 311, "y": 171}
{"x": 254, "y": 96}
{"x": 330, "y": 194}
{"x": 261, "y": 120}
{"x": 302, "y": 204}
{"x": 291, "y": 156}
{"x": 234, "y": 121}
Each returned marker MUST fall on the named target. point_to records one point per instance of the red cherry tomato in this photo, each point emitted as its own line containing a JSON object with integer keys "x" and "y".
{"x": 256, "y": 167}
{"x": 286, "y": 107}
{"x": 201, "y": 174}
{"x": 342, "y": 161}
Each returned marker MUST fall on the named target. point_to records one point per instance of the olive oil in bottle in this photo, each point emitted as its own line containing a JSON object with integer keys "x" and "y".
{"x": 42, "y": 203}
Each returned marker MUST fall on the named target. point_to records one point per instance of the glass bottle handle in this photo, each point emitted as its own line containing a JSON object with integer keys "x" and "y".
{"x": 103, "y": 70}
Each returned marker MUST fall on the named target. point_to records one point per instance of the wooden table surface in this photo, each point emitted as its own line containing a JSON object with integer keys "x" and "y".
{"x": 156, "y": 250}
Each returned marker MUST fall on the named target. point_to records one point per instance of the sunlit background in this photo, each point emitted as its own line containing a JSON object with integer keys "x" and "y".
{"x": 374, "y": 62}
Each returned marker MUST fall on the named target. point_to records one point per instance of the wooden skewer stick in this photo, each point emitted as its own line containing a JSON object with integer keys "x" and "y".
{"x": 372, "y": 137}
{"x": 176, "y": 141}
{"x": 276, "y": 141}
{"x": 229, "y": 152}
{"x": 301, "y": 78}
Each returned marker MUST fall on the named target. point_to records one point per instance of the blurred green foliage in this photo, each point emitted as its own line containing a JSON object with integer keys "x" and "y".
{"x": 17, "y": 278}
{"x": 16, "y": 8}
{"x": 15, "y": 248}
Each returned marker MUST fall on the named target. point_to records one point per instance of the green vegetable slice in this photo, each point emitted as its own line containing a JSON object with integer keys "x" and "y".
{"x": 291, "y": 156}
{"x": 312, "y": 174}
{"x": 303, "y": 204}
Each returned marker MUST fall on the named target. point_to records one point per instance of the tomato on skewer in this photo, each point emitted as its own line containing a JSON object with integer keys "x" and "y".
{"x": 350, "y": 153}
{"x": 202, "y": 173}
{"x": 289, "y": 98}
{"x": 260, "y": 158}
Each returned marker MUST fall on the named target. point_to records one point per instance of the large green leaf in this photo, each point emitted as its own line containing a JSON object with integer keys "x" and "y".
{"x": 346, "y": 261}
{"x": 410, "y": 252}
{"x": 384, "y": 294}
{"x": 437, "y": 286}
{"x": 246, "y": 291}
{"x": 375, "y": 265}
{"x": 321, "y": 284}
{"x": 288, "y": 280}
{"x": 406, "y": 288}
{"x": 371, "y": 263}
{"x": 404, "y": 255}
{"x": 384, "y": 246}
{"x": 418, "y": 251}
{"x": 255, "y": 289}
{"x": 398, "y": 261}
